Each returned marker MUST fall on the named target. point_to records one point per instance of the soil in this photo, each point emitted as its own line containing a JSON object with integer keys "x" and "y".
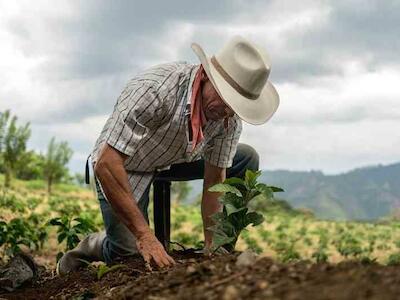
{"x": 198, "y": 277}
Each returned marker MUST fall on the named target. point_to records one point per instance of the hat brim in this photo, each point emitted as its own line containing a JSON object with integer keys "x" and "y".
{"x": 256, "y": 111}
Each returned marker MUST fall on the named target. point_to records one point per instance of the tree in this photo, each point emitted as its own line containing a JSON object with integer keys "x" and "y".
{"x": 13, "y": 139}
{"x": 180, "y": 190}
{"x": 56, "y": 159}
{"x": 30, "y": 166}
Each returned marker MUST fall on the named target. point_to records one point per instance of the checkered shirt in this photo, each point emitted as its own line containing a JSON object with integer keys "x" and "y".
{"x": 150, "y": 124}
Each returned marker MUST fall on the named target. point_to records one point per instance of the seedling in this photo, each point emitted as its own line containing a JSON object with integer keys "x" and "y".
{"x": 21, "y": 231}
{"x": 69, "y": 229}
{"x": 235, "y": 215}
{"x": 101, "y": 269}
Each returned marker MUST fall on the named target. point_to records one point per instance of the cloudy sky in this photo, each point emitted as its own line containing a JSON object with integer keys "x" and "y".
{"x": 335, "y": 64}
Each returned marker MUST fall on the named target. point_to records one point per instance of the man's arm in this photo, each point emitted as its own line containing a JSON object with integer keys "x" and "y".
{"x": 210, "y": 204}
{"x": 110, "y": 171}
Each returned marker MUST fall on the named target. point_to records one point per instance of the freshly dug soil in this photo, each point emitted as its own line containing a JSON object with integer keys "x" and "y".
{"x": 198, "y": 277}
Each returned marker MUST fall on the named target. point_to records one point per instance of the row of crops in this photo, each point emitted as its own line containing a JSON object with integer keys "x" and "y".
{"x": 45, "y": 225}
{"x": 290, "y": 237}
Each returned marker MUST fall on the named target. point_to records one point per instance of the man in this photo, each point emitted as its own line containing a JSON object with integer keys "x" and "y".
{"x": 175, "y": 121}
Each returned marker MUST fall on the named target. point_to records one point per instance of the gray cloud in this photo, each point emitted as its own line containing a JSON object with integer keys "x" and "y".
{"x": 352, "y": 30}
{"x": 86, "y": 56}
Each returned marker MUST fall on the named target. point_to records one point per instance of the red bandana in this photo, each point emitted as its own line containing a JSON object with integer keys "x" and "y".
{"x": 198, "y": 117}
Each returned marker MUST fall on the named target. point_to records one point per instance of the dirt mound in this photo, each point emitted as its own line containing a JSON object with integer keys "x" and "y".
{"x": 197, "y": 277}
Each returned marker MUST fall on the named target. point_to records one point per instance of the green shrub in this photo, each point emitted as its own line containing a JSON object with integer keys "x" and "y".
{"x": 30, "y": 232}
{"x": 394, "y": 259}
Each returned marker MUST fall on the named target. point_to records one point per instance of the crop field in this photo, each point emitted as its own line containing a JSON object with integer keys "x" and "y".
{"x": 287, "y": 241}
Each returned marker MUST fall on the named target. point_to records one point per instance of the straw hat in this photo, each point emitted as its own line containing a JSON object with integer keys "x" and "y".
{"x": 239, "y": 73}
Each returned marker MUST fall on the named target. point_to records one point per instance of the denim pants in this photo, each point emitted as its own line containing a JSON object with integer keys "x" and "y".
{"x": 120, "y": 242}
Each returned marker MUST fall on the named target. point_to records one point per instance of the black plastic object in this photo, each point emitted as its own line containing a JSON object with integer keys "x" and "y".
{"x": 162, "y": 211}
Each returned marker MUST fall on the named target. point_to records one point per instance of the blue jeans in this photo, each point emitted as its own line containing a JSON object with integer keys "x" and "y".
{"x": 120, "y": 242}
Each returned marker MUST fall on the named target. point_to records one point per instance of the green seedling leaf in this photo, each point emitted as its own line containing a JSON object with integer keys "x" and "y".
{"x": 104, "y": 269}
{"x": 225, "y": 188}
{"x": 254, "y": 218}
{"x": 235, "y": 181}
{"x": 61, "y": 237}
{"x": 234, "y": 218}
{"x": 220, "y": 240}
{"x": 251, "y": 178}
{"x": 276, "y": 189}
{"x": 59, "y": 255}
{"x": 266, "y": 190}
{"x": 230, "y": 209}
{"x": 218, "y": 217}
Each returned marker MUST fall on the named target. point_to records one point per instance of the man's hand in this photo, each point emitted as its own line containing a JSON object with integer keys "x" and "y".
{"x": 151, "y": 249}
{"x": 111, "y": 173}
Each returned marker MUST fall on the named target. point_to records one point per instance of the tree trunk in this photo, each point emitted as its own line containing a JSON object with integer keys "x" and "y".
{"x": 49, "y": 183}
{"x": 7, "y": 177}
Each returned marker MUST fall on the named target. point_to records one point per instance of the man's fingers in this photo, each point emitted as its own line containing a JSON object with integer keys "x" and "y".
{"x": 163, "y": 259}
{"x": 146, "y": 258}
{"x": 168, "y": 260}
{"x": 153, "y": 251}
{"x": 171, "y": 260}
{"x": 148, "y": 266}
{"x": 158, "y": 260}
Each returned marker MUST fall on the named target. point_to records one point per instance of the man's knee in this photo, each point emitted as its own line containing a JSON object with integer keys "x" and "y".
{"x": 250, "y": 156}
{"x": 246, "y": 157}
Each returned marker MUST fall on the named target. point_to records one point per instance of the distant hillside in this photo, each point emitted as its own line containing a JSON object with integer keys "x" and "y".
{"x": 362, "y": 194}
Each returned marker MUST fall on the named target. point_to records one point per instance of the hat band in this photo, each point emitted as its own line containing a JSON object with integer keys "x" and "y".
{"x": 231, "y": 81}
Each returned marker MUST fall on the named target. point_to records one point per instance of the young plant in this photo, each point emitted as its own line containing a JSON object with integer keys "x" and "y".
{"x": 70, "y": 229}
{"x": 235, "y": 215}
{"x": 21, "y": 231}
{"x": 101, "y": 269}
{"x": 320, "y": 255}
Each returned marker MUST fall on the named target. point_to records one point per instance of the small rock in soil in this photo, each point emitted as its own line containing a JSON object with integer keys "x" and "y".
{"x": 20, "y": 268}
{"x": 190, "y": 270}
{"x": 230, "y": 293}
{"x": 262, "y": 284}
{"x": 246, "y": 258}
{"x": 274, "y": 269}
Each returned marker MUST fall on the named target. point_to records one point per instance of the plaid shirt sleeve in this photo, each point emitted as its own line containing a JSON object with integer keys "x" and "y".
{"x": 138, "y": 111}
{"x": 222, "y": 148}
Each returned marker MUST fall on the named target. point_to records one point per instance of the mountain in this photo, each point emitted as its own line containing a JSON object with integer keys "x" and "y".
{"x": 362, "y": 194}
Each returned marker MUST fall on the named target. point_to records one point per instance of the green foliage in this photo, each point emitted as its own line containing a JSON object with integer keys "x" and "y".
{"x": 320, "y": 255}
{"x": 286, "y": 250}
{"x": 13, "y": 139}
{"x": 251, "y": 243}
{"x": 236, "y": 215}
{"x": 56, "y": 159}
{"x": 9, "y": 201}
{"x": 187, "y": 239}
{"x": 20, "y": 231}
{"x": 102, "y": 269}
{"x": 29, "y": 166}
{"x": 347, "y": 245}
{"x": 71, "y": 229}
{"x": 79, "y": 179}
{"x": 180, "y": 190}
{"x": 394, "y": 259}
{"x": 64, "y": 205}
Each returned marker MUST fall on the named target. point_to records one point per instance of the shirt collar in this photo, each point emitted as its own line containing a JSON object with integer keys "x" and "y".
{"x": 190, "y": 86}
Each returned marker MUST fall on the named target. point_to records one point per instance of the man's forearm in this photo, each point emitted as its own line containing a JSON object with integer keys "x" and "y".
{"x": 114, "y": 181}
{"x": 209, "y": 206}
